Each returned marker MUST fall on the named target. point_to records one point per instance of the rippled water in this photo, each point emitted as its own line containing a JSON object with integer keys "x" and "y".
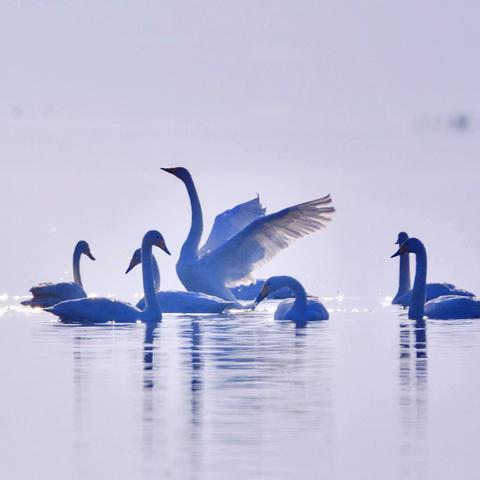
{"x": 366, "y": 395}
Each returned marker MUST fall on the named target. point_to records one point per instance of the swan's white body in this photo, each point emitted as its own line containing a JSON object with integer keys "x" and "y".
{"x": 432, "y": 290}
{"x": 301, "y": 309}
{"x": 230, "y": 263}
{"x": 453, "y": 307}
{"x": 442, "y": 308}
{"x": 178, "y": 301}
{"x": 101, "y": 310}
{"x": 48, "y": 294}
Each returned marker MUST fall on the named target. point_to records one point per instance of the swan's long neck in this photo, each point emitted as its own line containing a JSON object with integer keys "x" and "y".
{"x": 156, "y": 274}
{"x": 190, "y": 247}
{"x": 298, "y": 290}
{"x": 76, "y": 266}
{"x": 152, "y": 307}
{"x": 417, "y": 303}
{"x": 404, "y": 277}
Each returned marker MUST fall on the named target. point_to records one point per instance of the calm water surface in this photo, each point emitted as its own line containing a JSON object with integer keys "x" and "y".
{"x": 366, "y": 395}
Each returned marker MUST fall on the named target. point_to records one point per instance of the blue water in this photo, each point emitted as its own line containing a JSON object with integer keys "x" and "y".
{"x": 366, "y": 395}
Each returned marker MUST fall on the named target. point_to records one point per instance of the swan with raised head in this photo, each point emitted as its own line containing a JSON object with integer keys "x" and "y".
{"x": 300, "y": 309}
{"x": 48, "y": 294}
{"x": 101, "y": 310}
{"x": 178, "y": 301}
{"x": 232, "y": 262}
{"x": 432, "y": 290}
{"x": 442, "y": 308}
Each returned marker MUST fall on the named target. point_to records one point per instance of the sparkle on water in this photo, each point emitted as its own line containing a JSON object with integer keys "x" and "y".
{"x": 365, "y": 395}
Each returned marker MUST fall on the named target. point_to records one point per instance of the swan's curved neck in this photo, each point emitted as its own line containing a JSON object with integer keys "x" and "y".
{"x": 298, "y": 290}
{"x": 156, "y": 274}
{"x": 152, "y": 307}
{"x": 76, "y": 266}
{"x": 190, "y": 247}
{"x": 404, "y": 277}
{"x": 417, "y": 303}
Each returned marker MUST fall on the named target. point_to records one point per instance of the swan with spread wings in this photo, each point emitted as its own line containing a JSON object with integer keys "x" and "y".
{"x": 252, "y": 239}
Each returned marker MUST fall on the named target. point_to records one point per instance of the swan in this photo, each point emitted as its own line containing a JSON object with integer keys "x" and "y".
{"x": 101, "y": 310}
{"x": 300, "y": 309}
{"x": 432, "y": 290}
{"x": 48, "y": 294}
{"x": 446, "y": 307}
{"x": 177, "y": 301}
{"x": 232, "y": 262}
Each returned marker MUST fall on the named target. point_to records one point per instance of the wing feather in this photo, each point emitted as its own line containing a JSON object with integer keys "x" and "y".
{"x": 263, "y": 238}
{"x": 230, "y": 222}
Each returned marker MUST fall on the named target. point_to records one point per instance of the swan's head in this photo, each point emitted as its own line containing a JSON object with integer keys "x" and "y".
{"x": 155, "y": 238}
{"x": 179, "y": 172}
{"x": 412, "y": 245}
{"x": 84, "y": 248}
{"x": 136, "y": 260}
{"x": 271, "y": 285}
{"x": 402, "y": 238}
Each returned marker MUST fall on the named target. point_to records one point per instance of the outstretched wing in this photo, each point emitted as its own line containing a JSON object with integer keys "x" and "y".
{"x": 232, "y": 221}
{"x": 262, "y": 239}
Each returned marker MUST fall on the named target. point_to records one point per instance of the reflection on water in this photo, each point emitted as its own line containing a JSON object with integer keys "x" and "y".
{"x": 413, "y": 395}
{"x": 238, "y": 396}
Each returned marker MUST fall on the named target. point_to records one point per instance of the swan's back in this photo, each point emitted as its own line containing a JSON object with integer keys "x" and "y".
{"x": 189, "y": 302}
{"x": 48, "y": 294}
{"x": 313, "y": 311}
{"x": 434, "y": 290}
{"x": 95, "y": 310}
{"x": 453, "y": 307}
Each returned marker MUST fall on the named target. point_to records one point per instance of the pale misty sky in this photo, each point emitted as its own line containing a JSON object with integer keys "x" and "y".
{"x": 288, "y": 99}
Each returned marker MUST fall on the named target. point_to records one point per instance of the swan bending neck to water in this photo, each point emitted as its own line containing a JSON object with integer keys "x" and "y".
{"x": 444, "y": 307}
{"x": 301, "y": 309}
{"x": 101, "y": 310}
{"x": 177, "y": 301}
{"x": 432, "y": 290}
{"x": 232, "y": 261}
{"x": 48, "y": 294}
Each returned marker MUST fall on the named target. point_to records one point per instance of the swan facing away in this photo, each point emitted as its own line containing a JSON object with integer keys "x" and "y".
{"x": 178, "y": 301}
{"x": 232, "y": 261}
{"x": 101, "y": 310}
{"x": 442, "y": 308}
{"x": 432, "y": 290}
{"x": 301, "y": 309}
{"x": 48, "y": 294}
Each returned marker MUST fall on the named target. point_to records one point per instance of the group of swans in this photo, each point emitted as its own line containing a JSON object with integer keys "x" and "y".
{"x": 229, "y": 258}
{"x": 242, "y": 239}
{"x": 442, "y": 301}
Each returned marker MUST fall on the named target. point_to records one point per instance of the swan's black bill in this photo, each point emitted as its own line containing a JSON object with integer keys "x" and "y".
{"x": 261, "y": 296}
{"x": 90, "y": 256}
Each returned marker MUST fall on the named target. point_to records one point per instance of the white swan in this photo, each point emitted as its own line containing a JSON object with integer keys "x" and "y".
{"x": 447, "y": 307}
{"x": 101, "y": 310}
{"x": 232, "y": 262}
{"x": 48, "y": 294}
{"x": 301, "y": 309}
{"x": 178, "y": 301}
{"x": 432, "y": 290}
